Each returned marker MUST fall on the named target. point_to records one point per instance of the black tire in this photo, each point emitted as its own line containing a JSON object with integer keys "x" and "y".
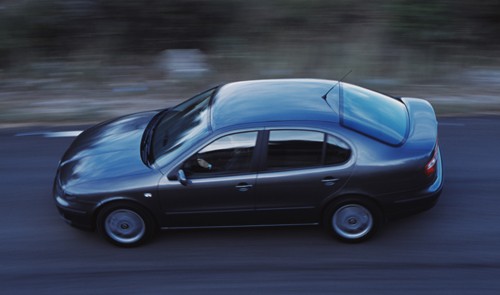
{"x": 352, "y": 219}
{"x": 125, "y": 224}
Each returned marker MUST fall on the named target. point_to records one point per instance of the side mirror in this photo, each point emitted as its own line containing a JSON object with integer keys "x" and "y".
{"x": 181, "y": 176}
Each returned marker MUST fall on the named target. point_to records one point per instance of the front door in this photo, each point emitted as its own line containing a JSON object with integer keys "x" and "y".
{"x": 219, "y": 187}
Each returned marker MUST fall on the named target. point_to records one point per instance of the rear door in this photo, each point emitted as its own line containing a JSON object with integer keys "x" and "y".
{"x": 300, "y": 168}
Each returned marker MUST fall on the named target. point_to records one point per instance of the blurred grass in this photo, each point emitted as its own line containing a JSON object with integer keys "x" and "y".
{"x": 85, "y": 60}
{"x": 72, "y": 92}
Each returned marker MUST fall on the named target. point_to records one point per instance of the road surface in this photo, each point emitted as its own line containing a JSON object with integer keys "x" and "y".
{"x": 452, "y": 249}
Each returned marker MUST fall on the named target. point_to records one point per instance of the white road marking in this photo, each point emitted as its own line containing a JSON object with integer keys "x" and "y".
{"x": 63, "y": 133}
{"x": 51, "y": 134}
{"x": 451, "y": 124}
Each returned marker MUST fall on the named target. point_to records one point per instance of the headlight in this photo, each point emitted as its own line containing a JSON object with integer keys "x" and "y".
{"x": 62, "y": 201}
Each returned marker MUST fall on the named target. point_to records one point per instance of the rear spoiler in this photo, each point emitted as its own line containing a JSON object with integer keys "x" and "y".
{"x": 423, "y": 123}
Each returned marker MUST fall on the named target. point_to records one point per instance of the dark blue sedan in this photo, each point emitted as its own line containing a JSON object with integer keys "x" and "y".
{"x": 255, "y": 153}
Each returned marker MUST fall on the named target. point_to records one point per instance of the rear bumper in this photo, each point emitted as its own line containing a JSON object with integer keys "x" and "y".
{"x": 411, "y": 206}
{"x": 409, "y": 203}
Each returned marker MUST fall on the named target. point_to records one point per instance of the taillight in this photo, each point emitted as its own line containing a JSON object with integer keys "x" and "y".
{"x": 430, "y": 167}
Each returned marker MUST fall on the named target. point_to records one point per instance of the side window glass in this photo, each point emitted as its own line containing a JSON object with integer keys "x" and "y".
{"x": 294, "y": 149}
{"x": 230, "y": 154}
{"x": 337, "y": 151}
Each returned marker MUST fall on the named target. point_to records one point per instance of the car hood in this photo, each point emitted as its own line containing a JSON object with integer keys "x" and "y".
{"x": 108, "y": 150}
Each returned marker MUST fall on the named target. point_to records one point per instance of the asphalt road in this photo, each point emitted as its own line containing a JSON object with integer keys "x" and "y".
{"x": 452, "y": 249}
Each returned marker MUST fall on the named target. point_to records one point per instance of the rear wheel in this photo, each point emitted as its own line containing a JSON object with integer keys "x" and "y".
{"x": 352, "y": 219}
{"x": 125, "y": 225}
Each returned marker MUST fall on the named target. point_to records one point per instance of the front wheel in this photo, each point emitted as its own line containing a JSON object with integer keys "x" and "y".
{"x": 125, "y": 225}
{"x": 352, "y": 220}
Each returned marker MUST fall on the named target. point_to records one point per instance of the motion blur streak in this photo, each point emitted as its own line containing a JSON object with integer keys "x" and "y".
{"x": 88, "y": 60}
{"x": 451, "y": 249}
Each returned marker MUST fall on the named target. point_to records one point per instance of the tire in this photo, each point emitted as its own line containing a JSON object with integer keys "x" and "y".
{"x": 352, "y": 219}
{"x": 125, "y": 224}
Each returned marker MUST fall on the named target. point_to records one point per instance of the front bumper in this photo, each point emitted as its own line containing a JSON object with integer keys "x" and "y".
{"x": 76, "y": 218}
{"x": 73, "y": 212}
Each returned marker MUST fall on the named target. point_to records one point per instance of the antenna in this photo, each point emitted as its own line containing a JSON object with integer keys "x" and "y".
{"x": 324, "y": 96}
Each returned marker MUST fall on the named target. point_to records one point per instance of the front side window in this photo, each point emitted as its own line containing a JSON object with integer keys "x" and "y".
{"x": 231, "y": 154}
{"x": 288, "y": 149}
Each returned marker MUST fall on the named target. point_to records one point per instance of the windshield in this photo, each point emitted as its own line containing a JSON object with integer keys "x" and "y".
{"x": 180, "y": 124}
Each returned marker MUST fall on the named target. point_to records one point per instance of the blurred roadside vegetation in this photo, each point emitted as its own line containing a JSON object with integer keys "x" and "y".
{"x": 85, "y": 60}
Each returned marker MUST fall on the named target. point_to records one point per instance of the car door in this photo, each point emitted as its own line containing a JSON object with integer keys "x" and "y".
{"x": 218, "y": 189}
{"x": 299, "y": 170}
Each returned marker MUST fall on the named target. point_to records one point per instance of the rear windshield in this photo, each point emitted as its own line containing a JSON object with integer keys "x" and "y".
{"x": 373, "y": 114}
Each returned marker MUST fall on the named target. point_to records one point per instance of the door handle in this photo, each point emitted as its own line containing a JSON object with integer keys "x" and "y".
{"x": 329, "y": 181}
{"x": 243, "y": 187}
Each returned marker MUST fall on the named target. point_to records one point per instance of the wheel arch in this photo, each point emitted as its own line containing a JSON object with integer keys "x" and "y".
{"x": 120, "y": 199}
{"x": 362, "y": 197}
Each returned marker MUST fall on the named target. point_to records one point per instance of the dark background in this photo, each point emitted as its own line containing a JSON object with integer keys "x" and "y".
{"x": 444, "y": 31}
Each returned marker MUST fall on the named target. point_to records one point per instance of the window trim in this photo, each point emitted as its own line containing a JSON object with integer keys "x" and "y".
{"x": 259, "y": 158}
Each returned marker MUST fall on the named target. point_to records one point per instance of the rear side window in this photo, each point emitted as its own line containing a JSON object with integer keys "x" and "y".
{"x": 288, "y": 149}
{"x": 337, "y": 151}
{"x": 373, "y": 114}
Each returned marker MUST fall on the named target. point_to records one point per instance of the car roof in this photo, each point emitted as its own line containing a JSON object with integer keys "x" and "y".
{"x": 273, "y": 100}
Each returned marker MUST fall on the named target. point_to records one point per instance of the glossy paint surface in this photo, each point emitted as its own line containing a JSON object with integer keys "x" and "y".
{"x": 106, "y": 152}
{"x": 272, "y": 100}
